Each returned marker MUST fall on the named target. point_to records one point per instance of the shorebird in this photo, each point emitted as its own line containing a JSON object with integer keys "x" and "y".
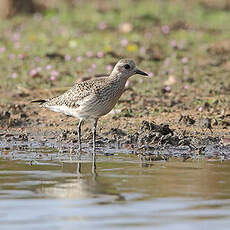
{"x": 93, "y": 98}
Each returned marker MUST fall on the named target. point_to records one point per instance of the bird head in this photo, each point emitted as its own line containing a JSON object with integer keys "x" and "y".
{"x": 126, "y": 68}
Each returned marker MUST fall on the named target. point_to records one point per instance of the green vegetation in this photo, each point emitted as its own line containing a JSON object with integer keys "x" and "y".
{"x": 185, "y": 41}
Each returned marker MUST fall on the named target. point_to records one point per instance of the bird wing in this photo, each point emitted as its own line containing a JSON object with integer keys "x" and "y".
{"x": 77, "y": 94}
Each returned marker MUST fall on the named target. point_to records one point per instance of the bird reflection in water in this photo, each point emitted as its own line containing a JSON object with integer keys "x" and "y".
{"x": 94, "y": 172}
{"x": 80, "y": 180}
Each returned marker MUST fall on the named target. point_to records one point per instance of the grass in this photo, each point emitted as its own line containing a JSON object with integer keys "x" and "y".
{"x": 166, "y": 38}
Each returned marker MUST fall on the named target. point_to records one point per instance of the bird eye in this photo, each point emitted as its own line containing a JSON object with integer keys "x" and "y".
{"x": 127, "y": 66}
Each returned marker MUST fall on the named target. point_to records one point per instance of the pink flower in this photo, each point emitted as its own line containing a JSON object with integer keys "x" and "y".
{"x": 12, "y": 56}
{"x": 14, "y": 75}
{"x": 93, "y": 66}
{"x": 102, "y": 26}
{"x": 16, "y": 37}
{"x": 165, "y": 29}
{"x": 2, "y": 49}
{"x": 21, "y": 56}
{"x": 90, "y": 70}
{"x": 54, "y": 73}
{"x": 167, "y": 62}
{"x": 142, "y": 50}
{"x": 48, "y": 67}
{"x": 89, "y": 54}
{"x": 180, "y": 46}
{"x": 27, "y": 48}
{"x": 100, "y": 54}
{"x": 124, "y": 42}
{"x": 148, "y": 35}
{"x": 67, "y": 57}
{"x": 39, "y": 69}
{"x": 200, "y": 109}
{"x": 186, "y": 87}
{"x": 36, "y": 59}
{"x": 168, "y": 88}
{"x": 109, "y": 67}
{"x": 173, "y": 44}
{"x": 184, "y": 60}
{"x": 151, "y": 74}
{"x": 186, "y": 70}
{"x": 52, "y": 78}
{"x": 33, "y": 72}
{"x": 79, "y": 59}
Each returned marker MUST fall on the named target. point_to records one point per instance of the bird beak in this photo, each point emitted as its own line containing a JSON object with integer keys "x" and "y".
{"x": 137, "y": 71}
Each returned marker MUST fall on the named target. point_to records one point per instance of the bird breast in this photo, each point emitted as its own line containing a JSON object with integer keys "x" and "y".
{"x": 102, "y": 101}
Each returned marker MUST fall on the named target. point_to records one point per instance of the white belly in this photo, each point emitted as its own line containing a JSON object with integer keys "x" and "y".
{"x": 64, "y": 109}
{"x": 90, "y": 107}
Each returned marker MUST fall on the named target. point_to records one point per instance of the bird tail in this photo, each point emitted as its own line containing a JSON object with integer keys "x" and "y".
{"x": 39, "y": 101}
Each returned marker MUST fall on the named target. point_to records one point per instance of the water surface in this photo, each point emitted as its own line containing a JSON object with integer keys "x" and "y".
{"x": 43, "y": 189}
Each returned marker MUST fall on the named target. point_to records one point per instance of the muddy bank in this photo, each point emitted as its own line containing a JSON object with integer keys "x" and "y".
{"x": 25, "y": 126}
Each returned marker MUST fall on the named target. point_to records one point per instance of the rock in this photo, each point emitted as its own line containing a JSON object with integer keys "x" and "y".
{"x": 163, "y": 129}
{"x": 204, "y": 123}
{"x": 117, "y": 131}
{"x": 187, "y": 120}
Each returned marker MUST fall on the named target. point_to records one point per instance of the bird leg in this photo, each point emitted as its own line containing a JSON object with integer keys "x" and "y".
{"x": 94, "y": 165}
{"x": 79, "y": 134}
{"x": 94, "y": 135}
{"x": 78, "y": 167}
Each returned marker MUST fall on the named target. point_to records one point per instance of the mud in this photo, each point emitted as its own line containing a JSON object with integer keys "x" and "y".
{"x": 167, "y": 125}
{"x": 24, "y": 127}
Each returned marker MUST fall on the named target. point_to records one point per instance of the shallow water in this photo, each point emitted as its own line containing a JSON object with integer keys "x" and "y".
{"x": 43, "y": 189}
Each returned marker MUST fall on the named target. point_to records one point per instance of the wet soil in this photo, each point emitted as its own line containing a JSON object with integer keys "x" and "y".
{"x": 182, "y": 134}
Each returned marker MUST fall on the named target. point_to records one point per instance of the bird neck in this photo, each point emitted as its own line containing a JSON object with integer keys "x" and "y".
{"x": 118, "y": 78}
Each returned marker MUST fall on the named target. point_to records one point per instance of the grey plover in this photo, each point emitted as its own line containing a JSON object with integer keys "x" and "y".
{"x": 93, "y": 98}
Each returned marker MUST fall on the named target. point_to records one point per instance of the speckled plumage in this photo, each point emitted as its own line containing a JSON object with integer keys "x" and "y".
{"x": 89, "y": 98}
{"x": 93, "y": 98}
